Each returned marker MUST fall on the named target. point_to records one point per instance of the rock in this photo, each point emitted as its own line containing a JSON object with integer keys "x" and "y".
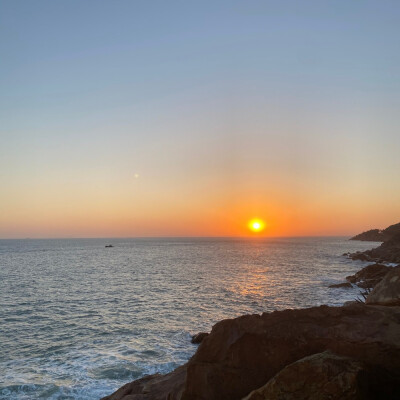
{"x": 360, "y": 256}
{"x": 367, "y": 284}
{"x": 377, "y": 235}
{"x": 153, "y": 387}
{"x": 198, "y": 338}
{"x": 387, "y": 292}
{"x": 388, "y": 251}
{"x": 369, "y": 276}
{"x": 351, "y": 278}
{"x": 243, "y": 354}
{"x": 320, "y": 376}
{"x": 350, "y": 303}
{"x": 341, "y": 285}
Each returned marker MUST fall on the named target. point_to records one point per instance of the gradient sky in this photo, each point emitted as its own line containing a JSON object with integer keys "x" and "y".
{"x": 157, "y": 118}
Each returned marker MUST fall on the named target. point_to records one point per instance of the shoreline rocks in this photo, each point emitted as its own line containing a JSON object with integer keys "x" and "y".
{"x": 387, "y": 252}
{"x": 319, "y": 376}
{"x": 242, "y": 354}
{"x": 341, "y": 285}
{"x": 199, "y": 337}
{"x": 369, "y": 276}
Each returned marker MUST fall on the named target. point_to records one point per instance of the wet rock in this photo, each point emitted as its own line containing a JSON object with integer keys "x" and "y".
{"x": 341, "y": 285}
{"x": 388, "y": 251}
{"x": 351, "y": 278}
{"x": 369, "y": 276}
{"x": 367, "y": 284}
{"x": 360, "y": 256}
{"x": 387, "y": 292}
{"x": 320, "y": 376}
{"x": 199, "y": 337}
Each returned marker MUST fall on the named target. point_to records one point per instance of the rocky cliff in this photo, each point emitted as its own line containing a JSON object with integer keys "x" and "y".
{"x": 243, "y": 354}
{"x": 377, "y": 235}
{"x": 388, "y": 251}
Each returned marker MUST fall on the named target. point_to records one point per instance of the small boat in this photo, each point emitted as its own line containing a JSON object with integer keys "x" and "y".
{"x": 109, "y": 245}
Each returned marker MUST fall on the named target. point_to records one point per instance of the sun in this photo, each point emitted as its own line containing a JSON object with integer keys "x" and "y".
{"x": 256, "y": 225}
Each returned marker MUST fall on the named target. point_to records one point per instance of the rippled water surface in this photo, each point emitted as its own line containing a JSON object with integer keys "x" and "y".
{"x": 78, "y": 320}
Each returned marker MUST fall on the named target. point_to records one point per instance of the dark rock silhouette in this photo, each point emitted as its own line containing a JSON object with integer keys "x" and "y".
{"x": 153, "y": 387}
{"x": 362, "y": 256}
{"x": 387, "y": 292}
{"x": 377, "y": 235}
{"x": 341, "y": 285}
{"x": 388, "y": 251}
{"x": 332, "y": 377}
{"x": 373, "y": 235}
{"x": 199, "y": 337}
{"x": 243, "y": 354}
{"x": 369, "y": 276}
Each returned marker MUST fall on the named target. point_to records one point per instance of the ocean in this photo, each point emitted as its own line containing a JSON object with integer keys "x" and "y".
{"x": 78, "y": 320}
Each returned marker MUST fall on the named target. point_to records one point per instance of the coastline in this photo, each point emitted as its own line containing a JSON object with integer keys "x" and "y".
{"x": 250, "y": 357}
{"x": 186, "y": 286}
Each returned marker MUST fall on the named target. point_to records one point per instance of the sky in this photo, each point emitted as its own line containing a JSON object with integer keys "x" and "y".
{"x": 182, "y": 118}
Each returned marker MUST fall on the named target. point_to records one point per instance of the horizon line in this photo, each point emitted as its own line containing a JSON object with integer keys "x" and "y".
{"x": 173, "y": 237}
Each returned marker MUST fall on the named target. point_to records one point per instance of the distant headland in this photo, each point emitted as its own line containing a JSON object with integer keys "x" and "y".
{"x": 378, "y": 235}
{"x": 388, "y": 251}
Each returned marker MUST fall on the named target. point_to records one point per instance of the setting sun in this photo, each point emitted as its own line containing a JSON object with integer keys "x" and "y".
{"x": 256, "y": 225}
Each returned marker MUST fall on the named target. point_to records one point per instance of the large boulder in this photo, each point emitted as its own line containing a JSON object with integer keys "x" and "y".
{"x": 369, "y": 276}
{"x": 320, "y": 376}
{"x": 387, "y": 292}
{"x": 244, "y": 353}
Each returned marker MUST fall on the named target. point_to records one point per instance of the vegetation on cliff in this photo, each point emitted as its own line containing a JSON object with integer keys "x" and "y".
{"x": 377, "y": 235}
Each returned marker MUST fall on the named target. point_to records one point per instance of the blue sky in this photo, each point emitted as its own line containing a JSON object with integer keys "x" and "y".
{"x": 269, "y": 98}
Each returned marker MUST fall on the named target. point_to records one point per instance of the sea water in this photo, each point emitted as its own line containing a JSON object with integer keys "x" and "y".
{"x": 78, "y": 320}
